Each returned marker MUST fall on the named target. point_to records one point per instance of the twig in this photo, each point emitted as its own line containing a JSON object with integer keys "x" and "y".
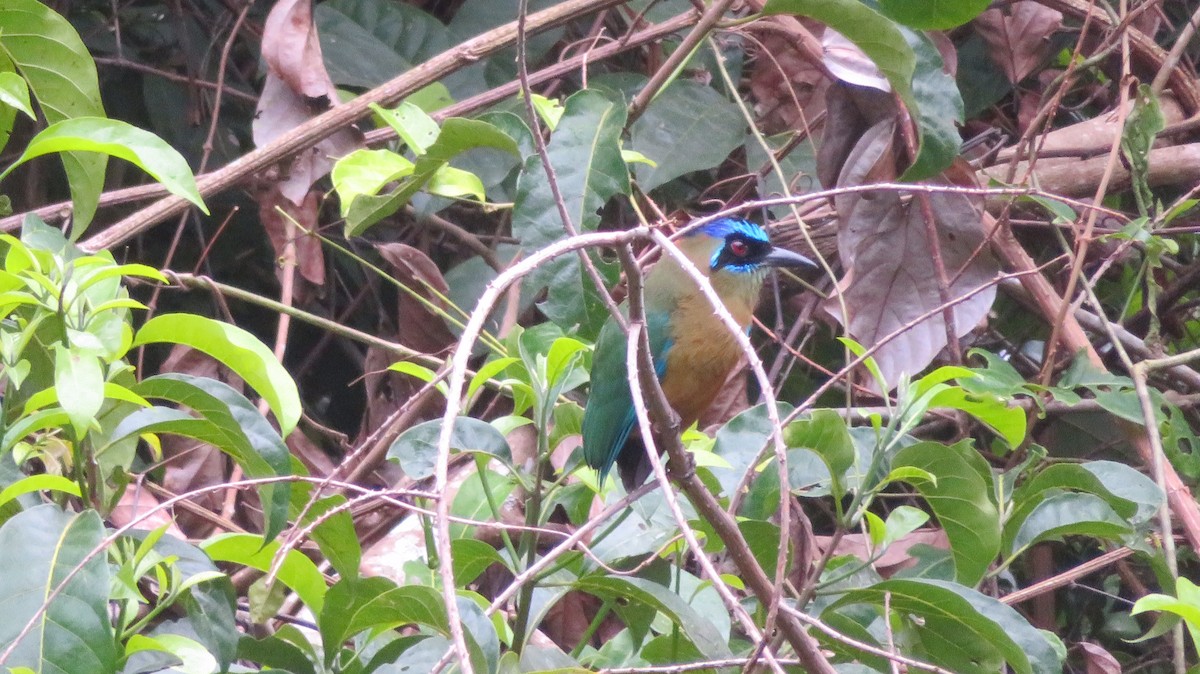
{"x": 682, "y": 53}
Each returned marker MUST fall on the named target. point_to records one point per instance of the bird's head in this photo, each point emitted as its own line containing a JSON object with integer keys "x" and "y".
{"x": 736, "y": 247}
{"x": 736, "y": 255}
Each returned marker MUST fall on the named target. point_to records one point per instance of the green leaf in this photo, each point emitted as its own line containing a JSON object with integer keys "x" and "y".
{"x": 585, "y": 151}
{"x": 335, "y": 535}
{"x": 825, "y": 434}
{"x": 414, "y": 126}
{"x": 238, "y": 350}
{"x": 703, "y": 635}
{"x": 377, "y": 603}
{"x": 42, "y": 482}
{"x": 230, "y": 423}
{"x": 118, "y": 139}
{"x": 297, "y": 571}
{"x": 74, "y": 634}
{"x": 79, "y": 381}
{"x": 456, "y": 136}
{"x": 1186, "y": 606}
{"x": 193, "y": 657}
{"x": 15, "y": 94}
{"x": 933, "y": 14}
{"x": 62, "y": 76}
{"x": 1066, "y": 515}
{"x": 471, "y": 558}
{"x": 688, "y": 127}
{"x": 960, "y": 499}
{"x": 365, "y": 172}
{"x": 1008, "y": 422}
{"x": 963, "y": 630}
{"x": 739, "y": 441}
{"x": 416, "y": 448}
{"x": 939, "y": 106}
{"x": 365, "y": 43}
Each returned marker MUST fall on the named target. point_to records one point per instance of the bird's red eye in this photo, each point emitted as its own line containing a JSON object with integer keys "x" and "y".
{"x": 739, "y": 248}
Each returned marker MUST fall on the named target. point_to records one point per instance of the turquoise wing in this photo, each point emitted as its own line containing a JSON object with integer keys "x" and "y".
{"x": 609, "y": 416}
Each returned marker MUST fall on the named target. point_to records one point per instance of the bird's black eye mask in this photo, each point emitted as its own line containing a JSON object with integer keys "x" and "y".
{"x": 739, "y": 253}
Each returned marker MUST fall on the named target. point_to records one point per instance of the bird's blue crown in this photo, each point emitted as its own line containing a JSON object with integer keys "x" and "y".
{"x": 720, "y": 229}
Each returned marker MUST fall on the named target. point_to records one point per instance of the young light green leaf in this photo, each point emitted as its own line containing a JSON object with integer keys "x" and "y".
{"x": 455, "y": 183}
{"x": 420, "y": 372}
{"x": 238, "y": 350}
{"x": 414, "y": 126}
{"x": 194, "y": 658}
{"x": 79, "y": 381}
{"x": 15, "y": 93}
{"x": 364, "y": 173}
{"x": 297, "y": 572}
{"x": 1186, "y": 606}
{"x": 41, "y": 482}
{"x": 118, "y": 139}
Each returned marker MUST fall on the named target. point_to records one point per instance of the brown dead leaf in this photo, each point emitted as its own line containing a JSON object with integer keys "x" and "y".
{"x": 1018, "y": 36}
{"x": 850, "y": 64}
{"x": 420, "y": 327}
{"x": 851, "y": 111}
{"x": 890, "y": 280}
{"x": 137, "y": 501}
{"x": 1099, "y": 660}
{"x": 788, "y": 88}
{"x": 310, "y": 259}
{"x": 297, "y": 88}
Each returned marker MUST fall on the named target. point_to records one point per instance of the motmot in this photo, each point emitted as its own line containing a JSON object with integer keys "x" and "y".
{"x": 692, "y": 349}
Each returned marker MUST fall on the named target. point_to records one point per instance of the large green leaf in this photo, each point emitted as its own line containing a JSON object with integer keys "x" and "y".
{"x": 961, "y": 629}
{"x": 1065, "y": 515}
{"x": 933, "y": 14}
{"x": 50, "y": 56}
{"x": 229, "y": 422}
{"x": 585, "y": 151}
{"x": 688, "y": 127}
{"x": 416, "y": 449}
{"x": 739, "y": 442}
{"x": 73, "y": 636}
{"x": 335, "y": 535}
{"x": 825, "y": 434}
{"x": 366, "y": 43}
{"x": 939, "y": 108}
{"x": 702, "y": 633}
{"x": 960, "y": 499}
{"x": 297, "y": 571}
{"x": 238, "y": 350}
{"x": 119, "y": 139}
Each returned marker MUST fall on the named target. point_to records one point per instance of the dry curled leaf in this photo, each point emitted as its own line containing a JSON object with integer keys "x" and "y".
{"x": 788, "y": 88}
{"x": 286, "y": 223}
{"x": 297, "y": 88}
{"x": 1018, "y": 36}
{"x": 891, "y": 282}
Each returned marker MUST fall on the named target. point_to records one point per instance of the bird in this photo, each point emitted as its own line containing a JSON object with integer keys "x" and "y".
{"x": 692, "y": 349}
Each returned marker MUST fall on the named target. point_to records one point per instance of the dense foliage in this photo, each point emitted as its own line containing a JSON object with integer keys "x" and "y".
{"x": 966, "y": 445}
